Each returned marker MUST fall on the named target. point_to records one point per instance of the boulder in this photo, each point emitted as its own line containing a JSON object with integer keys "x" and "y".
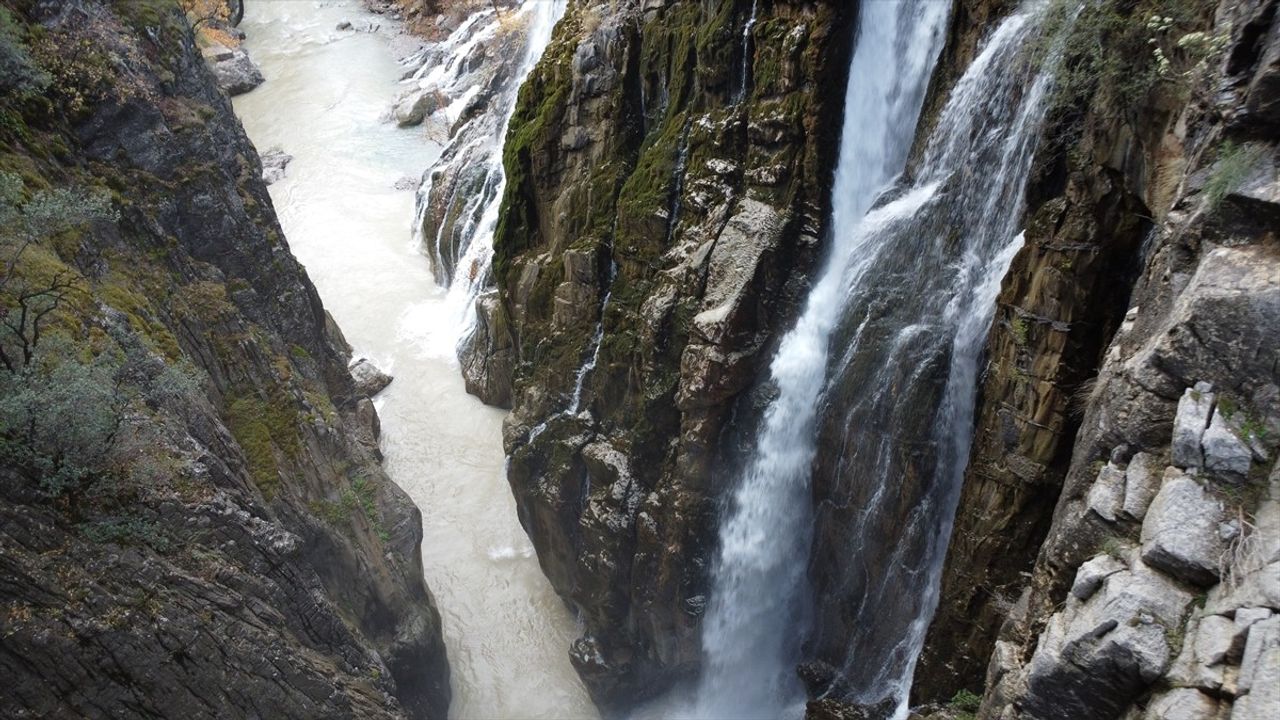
{"x": 369, "y": 380}
{"x": 1091, "y": 574}
{"x": 1259, "y": 683}
{"x": 1225, "y": 453}
{"x": 1095, "y": 657}
{"x": 1107, "y": 494}
{"x": 274, "y": 163}
{"x": 414, "y": 107}
{"x": 1194, "y": 410}
{"x": 234, "y": 70}
{"x": 1141, "y": 483}
{"x": 1182, "y": 704}
{"x": 1180, "y": 534}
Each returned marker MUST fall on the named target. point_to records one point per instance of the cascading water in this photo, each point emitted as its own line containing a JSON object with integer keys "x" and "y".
{"x": 462, "y": 242}
{"x": 898, "y": 408}
{"x": 745, "y": 69}
{"x": 750, "y": 633}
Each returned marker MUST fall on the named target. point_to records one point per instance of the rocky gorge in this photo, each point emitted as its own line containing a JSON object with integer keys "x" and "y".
{"x": 858, "y": 360}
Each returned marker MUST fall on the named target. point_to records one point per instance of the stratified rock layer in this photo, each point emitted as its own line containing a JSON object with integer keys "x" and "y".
{"x": 665, "y": 201}
{"x": 252, "y": 559}
{"x": 1126, "y": 439}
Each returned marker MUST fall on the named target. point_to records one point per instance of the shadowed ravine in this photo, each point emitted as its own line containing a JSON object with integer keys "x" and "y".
{"x": 323, "y": 102}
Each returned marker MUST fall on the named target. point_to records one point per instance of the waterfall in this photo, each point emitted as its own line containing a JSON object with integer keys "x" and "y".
{"x": 745, "y": 70}
{"x": 472, "y": 162}
{"x": 898, "y": 408}
{"x": 751, "y": 633}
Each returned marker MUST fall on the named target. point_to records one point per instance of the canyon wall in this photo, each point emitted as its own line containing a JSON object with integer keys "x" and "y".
{"x": 667, "y": 169}
{"x": 1118, "y": 516}
{"x": 194, "y": 522}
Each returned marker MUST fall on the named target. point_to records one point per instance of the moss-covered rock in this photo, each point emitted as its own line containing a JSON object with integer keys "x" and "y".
{"x": 638, "y": 159}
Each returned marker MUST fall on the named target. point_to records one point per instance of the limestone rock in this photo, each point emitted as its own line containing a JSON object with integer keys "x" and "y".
{"x": 369, "y": 379}
{"x": 274, "y": 164}
{"x": 414, "y": 107}
{"x": 1194, "y": 411}
{"x": 234, "y": 69}
{"x": 1182, "y": 704}
{"x": 1108, "y": 492}
{"x": 1259, "y": 682}
{"x": 1180, "y": 534}
{"x": 1092, "y": 574}
{"x": 1224, "y": 452}
{"x": 1142, "y": 480}
{"x": 1095, "y": 655}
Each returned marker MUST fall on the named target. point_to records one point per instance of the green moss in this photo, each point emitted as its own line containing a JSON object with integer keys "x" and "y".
{"x": 267, "y": 432}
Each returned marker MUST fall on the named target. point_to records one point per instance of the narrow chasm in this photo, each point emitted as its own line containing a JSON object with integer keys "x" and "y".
{"x": 640, "y": 359}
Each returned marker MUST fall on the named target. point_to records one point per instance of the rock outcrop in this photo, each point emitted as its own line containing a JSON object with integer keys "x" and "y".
{"x": 665, "y": 201}
{"x": 193, "y": 519}
{"x": 1110, "y": 555}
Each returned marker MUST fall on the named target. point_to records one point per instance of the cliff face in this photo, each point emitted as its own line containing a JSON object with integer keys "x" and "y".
{"x": 667, "y": 165}
{"x": 194, "y": 520}
{"x": 1119, "y": 511}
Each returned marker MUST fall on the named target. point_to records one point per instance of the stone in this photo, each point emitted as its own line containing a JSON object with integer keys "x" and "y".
{"x": 344, "y": 25}
{"x": 1182, "y": 704}
{"x": 1189, "y": 423}
{"x": 1107, "y": 494}
{"x": 369, "y": 380}
{"x": 1091, "y": 574}
{"x": 1214, "y": 638}
{"x": 1141, "y": 483}
{"x": 411, "y": 109}
{"x": 1095, "y": 655}
{"x": 1224, "y": 452}
{"x": 1259, "y": 683}
{"x": 234, "y": 70}
{"x": 1180, "y": 533}
{"x": 274, "y": 163}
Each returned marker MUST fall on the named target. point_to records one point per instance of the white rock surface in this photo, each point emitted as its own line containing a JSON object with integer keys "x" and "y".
{"x": 1142, "y": 480}
{"x": 1194, "y": 410}
{"x": 1180, "y": 534}
{"x": 1182, "y": 704}
{"x": 1224, "y": 452}
{"x": 1107, "y": 494}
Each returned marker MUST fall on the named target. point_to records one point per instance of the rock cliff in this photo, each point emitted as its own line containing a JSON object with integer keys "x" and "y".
{"x": 667, "y": 173}
{"x": 1114, "y": 553}
{"x": 194, "y": 519}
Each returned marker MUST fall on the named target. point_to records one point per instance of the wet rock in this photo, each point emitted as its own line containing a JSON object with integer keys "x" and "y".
{"x": 369, "y": 379}
{"x": 1189, "y": 424}
{"x": 234, "y": 70}
{"x": 414, "y": 107}
{"x": 274, "y": 164}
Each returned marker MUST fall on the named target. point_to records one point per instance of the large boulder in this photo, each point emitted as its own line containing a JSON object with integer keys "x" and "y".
{"x": 1181, "y": 534}
{"x": 234, "y": 70}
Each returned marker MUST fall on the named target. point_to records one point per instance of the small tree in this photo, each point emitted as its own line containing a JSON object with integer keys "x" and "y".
{"x": 29, "y": 299}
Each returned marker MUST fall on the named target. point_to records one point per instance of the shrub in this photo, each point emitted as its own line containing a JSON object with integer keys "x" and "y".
{"x": 1234, "y": 164}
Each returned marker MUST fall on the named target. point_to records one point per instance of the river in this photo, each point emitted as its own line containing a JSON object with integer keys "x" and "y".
{"x": 324, "y": 101}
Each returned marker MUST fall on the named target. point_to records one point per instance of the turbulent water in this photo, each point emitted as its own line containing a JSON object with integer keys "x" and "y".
{"x": 751, "y": 630}
{"x": 915, "y": 308}
{"x": 323, "y": 102}
{"x": 462, "y": 251}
